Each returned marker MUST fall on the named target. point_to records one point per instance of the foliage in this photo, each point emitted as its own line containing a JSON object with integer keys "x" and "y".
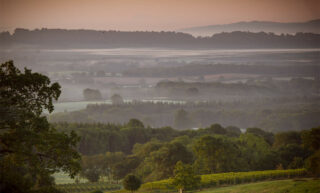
{"x": 102, "y": 165}
{"x": 165, "y": 159}
{"x": 135, "y": 123}
{"x": 125, "y": 166}
{"x": 91, "y": 174}
{"x": 184, "y": 177}
{"x": 114, "y": 150}
{"x": 286, "y": 138}
{"x": 97, "y": 191}
{"x": 313, "y": 164}
{"x": 131, "y": 182}
{"x": 216, "y": 154}
{"x": 271, "y": 114}
{"x": 311, "y": 140}
{"x": 116, "y": 99}
{"x": 30, "y": 149}
{"x": 91, "y": 94}
{"x": 217, "y": 129}
{"x": 268, "y": 136}
{"x": 182, "y": 120}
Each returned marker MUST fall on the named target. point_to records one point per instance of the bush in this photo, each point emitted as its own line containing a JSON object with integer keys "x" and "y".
{"x": 131, "y": 183}
{"x": 97, "y": 191}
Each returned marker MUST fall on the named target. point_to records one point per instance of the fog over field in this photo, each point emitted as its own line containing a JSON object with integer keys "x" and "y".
{"x": 147, "y": 96}
{"x": 178, "y": 77}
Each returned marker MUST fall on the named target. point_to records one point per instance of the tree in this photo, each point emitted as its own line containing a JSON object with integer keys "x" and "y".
{"x": 135, "y": 123}
{"x": 216, "y": 154}
{"x": 268, "y": 136}
{"x": 233, "y": 131}
{"x": 313, "y": 164}
{"x": 182, "y": 120}
{"x": 311, "y": 141}
{"x": 91, "y": 94}
{"x": 126, "y": 166}
{"x": 30, "y": 148}
{"x": 217, "y": 129}
{"x": 92, "y": 174}
{"x": 131, "y": 183}
{"x": 185, "y": 178}
{"x": 286, "y": 138}
{"x": 116, "y": 99}
{"x": 165, "y": 159}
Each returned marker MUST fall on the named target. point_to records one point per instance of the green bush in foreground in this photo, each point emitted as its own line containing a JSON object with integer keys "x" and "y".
{"x": 131, "y": 183}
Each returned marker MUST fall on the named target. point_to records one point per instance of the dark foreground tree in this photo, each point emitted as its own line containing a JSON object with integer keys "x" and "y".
{"x": 185, "y": 178}
{"x": 30, "y": 148}
{"x": 131, "y": 183}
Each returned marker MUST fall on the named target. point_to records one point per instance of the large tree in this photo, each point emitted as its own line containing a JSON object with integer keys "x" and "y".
{"x": 215, "y": 155}
{"x": 165, "y": 159}
{"x": 185, "y": 177}
{"x": 30, "y": 148}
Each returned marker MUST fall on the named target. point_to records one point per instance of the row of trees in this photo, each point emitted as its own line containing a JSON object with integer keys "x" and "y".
{"x": 54, "y": 38}
{"x": 271, "y": 114}
{"x": 194, "y": 69}
{"x": 211, "y": 150}
{"x": 95, "y": 94}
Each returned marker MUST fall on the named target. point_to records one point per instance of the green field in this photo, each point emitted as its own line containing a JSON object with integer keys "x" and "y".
{"x": 63, "y": 178}
{"x": 226, "y": 179}
{"x": 278, "y": 186}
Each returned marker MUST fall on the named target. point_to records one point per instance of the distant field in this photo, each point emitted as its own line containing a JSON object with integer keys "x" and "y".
{"x": 230, "y": 179}
{"x": 78, "y": 105}
{"x": 63, "y": 178}
{"x": 278, "y": 186}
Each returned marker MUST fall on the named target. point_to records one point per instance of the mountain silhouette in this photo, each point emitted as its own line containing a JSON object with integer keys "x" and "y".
{"x": 312, "y": 26}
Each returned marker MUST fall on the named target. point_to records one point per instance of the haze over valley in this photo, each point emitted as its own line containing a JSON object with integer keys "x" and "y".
{"x": 159, "y": 96}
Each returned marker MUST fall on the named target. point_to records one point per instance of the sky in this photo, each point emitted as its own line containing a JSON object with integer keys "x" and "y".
{"x": 147, "y": 15}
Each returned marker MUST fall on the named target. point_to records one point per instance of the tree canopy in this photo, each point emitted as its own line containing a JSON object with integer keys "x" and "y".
{"x": 184, "y": 177}
{"x": 30, "y": 148}
{"x": 131, "y": 183}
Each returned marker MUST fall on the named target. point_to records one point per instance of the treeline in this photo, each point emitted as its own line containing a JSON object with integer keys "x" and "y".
{"x": 62, "y": 38}
{"x": 208, "y": 69}
{"x": 112, "y": 151}
{"x": 273, "y": 114}
{"x": 252, "y": 88}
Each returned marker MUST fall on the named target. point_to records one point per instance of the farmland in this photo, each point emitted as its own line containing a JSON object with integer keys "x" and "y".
{"x": 230, "y": 179}
{"x": 278, "y": 186}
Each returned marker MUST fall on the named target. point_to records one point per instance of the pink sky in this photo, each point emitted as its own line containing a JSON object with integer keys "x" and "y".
{"x": 149, "y": 14}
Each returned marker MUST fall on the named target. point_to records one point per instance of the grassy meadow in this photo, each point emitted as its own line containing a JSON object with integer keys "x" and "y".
{"x": 278, "y": 186}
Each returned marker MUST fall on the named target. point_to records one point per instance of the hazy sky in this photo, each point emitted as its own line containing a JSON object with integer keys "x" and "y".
{"x": 149, "y": 14}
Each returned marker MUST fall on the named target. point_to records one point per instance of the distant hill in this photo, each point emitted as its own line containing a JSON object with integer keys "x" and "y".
{"x": 312, "y": 26}
{"x": 61, "y": 38}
